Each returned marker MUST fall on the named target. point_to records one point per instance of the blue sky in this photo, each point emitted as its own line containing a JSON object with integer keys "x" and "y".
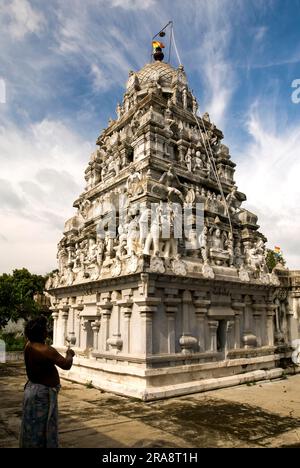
{"x": 65, "y": 64}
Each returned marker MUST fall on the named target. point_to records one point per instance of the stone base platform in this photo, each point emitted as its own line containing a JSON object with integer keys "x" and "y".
{"x": 135, "y": 380}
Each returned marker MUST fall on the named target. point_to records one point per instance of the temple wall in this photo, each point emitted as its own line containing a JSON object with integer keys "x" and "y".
{"x": 169, "y": 321}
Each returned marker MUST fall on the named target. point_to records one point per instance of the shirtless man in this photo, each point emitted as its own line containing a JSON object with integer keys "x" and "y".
{"x": 39, "y": 427}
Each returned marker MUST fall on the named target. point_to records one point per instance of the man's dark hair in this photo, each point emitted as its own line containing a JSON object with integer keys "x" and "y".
{"x": 36, "y": 330}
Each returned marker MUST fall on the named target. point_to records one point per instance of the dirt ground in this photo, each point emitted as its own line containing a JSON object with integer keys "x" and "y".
{"x": 265, "y": 414}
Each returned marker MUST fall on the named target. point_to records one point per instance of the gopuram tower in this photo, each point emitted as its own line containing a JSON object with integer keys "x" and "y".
{"x": 162, "y": 285}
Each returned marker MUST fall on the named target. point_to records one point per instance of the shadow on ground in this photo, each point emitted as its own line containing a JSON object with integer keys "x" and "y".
{"x": 209, "y": 423}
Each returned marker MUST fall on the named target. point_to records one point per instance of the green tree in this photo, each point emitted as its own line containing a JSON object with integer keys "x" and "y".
{"x": 17, "y": 295}
{"x": 272, "y": 258}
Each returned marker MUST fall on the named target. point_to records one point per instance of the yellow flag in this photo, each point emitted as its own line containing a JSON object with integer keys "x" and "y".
{"x": 156, "y": 44}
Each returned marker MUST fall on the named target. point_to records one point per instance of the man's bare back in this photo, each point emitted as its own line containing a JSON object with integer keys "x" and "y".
{"x": 40, "y": 361}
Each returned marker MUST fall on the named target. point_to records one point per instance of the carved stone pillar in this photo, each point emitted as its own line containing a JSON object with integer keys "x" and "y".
{"x": 148, "y": 307}
{"x": 55, "y": 318}
{"x": 77, "y": 316}
{"x": 201, "y": 308}
{"x": 95, "y": 327}
{"x": 229, "y": 340}
{"x": 258, "y": 313}
{"x": 55, "y": 314}
{"x": 238, "y": 308}
{"x": 249, "y": 339}
{"x": 115, "y": 341}
{"x": 280, "y": 311}
{"x": 213, "y": 325}
{"x": 187, "y": 342}
{"x": 105, "y": 305}
{"x": 85, "y": 324}
{"x": 71, "y": 322}
{"x": 292, "y": 331}
{"x": 64, "y": 314}
{"x": 257, "y": 316}
{"x": 171, "y": 307}
{"x": 270, "y": 323}
{"x": 125, "y": 305}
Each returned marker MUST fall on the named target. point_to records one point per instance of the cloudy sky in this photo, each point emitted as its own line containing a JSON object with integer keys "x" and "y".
{"x": 63, "y": 67}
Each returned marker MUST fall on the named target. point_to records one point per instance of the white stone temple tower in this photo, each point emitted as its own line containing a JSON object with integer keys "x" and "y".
{"x": 155, "y": 315}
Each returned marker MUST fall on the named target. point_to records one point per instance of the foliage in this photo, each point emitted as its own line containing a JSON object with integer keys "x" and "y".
{"x": 17, "y": 292}
{"x": 13, "y": 342}
{"x": 273, "y": 258}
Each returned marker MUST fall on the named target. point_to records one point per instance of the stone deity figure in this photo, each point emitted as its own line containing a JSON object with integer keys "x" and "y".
{"x": 255, "y": 256}
{"x": 232, "y": 200}
{"x": 168, "y": 117}
{"x": 206, "y": 117}
{"x": 203, "y": 243}
{"x": 69, "y": 276}
{"x": 170, "y": 223}
{"x": 217, "y": 239}
{"x": 198, "y": 164}
{"x": 118, "y": 163}
{"x": 214, "y": 203}
{"x": 109, "y": 244}
{"x": 188, "y": 160}
{"x": 144, "y": 226}
{"x": 190, "y": 196}
{"x": 84, "y": 207}
{"x": 208, "y": 200}
{"x": 133, "y": 182}
{"x": 230, "y": 249}
{"x": 99, "y": 253}
{"x": 238, "y": 255}
{"x": 206, "y": 168}
{"x": 195, "y": 105}
{"x": 135, "y": 122}
{"x": 220, "y": 204}
{"x": 111, "y": 164}
{"x": 62, "y": 259}
{"x": 85, "y": 257}
{"x": 77, "y": 256}
{"x": 153, "y": 236}
{"x": 123, "y": 233}
{"x": 91, "y": 252}
{"x": 133, "y": 236}
{"x": 119, "y": 111}
{"x": 170, "y": 180}
{"x": 128, "y": 236}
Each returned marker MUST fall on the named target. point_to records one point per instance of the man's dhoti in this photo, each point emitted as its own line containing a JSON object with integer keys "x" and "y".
{"x": 39, "y": 428}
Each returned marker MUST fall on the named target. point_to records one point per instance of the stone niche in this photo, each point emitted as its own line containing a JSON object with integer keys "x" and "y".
{"x": 150, "y": 314}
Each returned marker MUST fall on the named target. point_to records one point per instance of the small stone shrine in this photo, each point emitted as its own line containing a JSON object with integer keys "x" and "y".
{"x": 155, "y": 306}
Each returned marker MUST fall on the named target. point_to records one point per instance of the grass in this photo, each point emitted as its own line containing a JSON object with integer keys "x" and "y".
{"x": 89, "y": 384}
{"x": 250, "y": 384}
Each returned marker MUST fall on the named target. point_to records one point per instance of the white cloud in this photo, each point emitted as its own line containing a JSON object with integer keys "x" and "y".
{"x": 268, "y": 173}
{"x": 43, "y": 168}
{"x": 210, "y": 55}
{"x": 133, "y": 4}
{"x": 260, "y": 33}
{"x": 99, "y": 45}
{"x": 22, "y": 18}
{"x": 100, "y": 82}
